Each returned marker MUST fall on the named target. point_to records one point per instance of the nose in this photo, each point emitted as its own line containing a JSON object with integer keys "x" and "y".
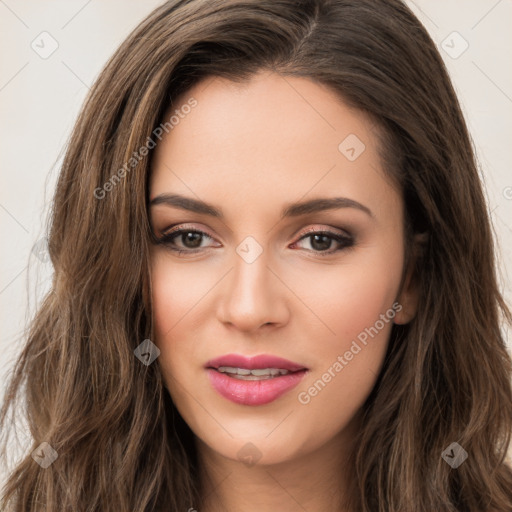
{"x": 253, "y": 296}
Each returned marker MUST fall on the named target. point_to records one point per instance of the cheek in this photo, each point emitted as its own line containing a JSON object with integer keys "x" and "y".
{"x": 352, "y": 341}
{"x": 174, "y": 293}
{"x": 363, "y": 296}
{"x": 177, "y": 289}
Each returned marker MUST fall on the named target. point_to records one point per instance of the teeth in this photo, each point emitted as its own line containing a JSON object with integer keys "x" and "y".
{"x": 256, "y": 374}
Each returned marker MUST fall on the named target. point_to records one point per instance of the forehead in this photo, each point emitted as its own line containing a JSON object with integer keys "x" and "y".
{"x": 272, "y": 139}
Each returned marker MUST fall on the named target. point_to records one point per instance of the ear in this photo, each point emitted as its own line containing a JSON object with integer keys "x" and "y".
{"x": 409, "y": 293}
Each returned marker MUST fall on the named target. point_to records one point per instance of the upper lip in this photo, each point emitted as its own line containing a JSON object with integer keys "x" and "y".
{"x": 252, "y": 363}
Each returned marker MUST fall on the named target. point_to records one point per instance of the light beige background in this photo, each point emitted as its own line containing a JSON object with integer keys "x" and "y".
{"x": 40, "y": 98}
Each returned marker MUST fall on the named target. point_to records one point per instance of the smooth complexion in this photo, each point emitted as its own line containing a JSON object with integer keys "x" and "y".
{"x": 250, "y": 151}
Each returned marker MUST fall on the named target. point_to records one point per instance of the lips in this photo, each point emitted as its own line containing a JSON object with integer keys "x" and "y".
{"x": 252, "y": 363}
{"x": 257, "y": 390}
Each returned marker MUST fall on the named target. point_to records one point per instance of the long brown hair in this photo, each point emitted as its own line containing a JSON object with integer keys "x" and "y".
{"x": 121, "y": 444}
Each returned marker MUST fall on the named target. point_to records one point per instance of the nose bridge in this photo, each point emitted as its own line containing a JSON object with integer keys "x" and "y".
{"x": 250, "y": 273}
{"x": 251, "y": 297}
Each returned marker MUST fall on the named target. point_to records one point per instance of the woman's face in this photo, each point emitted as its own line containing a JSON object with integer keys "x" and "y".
{"x": 260, "y": 283}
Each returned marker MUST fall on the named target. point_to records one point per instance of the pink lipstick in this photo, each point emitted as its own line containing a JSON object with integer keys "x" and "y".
{"x": 253, "y": 380}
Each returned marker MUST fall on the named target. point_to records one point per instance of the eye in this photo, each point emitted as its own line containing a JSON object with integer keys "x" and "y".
{"x": 321, "y": 241}
{"x": 190, "y": 240}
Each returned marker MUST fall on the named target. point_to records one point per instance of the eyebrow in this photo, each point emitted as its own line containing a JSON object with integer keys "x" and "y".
{"x": 291, "y": 210}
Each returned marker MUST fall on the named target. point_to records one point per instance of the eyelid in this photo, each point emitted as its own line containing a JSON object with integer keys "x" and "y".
{"x": 317, "y": 229}
{"x": 184, "y": 227}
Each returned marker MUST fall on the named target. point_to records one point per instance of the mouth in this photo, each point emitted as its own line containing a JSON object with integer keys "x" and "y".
{"x": 256, "y": 374}
{"x": 253, "y": 381}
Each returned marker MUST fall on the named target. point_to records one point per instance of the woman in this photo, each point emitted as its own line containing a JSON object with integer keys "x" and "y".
{"x": 274, "y": 277}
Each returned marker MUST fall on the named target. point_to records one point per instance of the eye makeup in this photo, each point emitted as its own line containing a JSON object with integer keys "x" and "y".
{"x": 313, "y": 235}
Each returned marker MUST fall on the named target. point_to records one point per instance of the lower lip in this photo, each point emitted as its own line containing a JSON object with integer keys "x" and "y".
{"x": 253, "y": 392}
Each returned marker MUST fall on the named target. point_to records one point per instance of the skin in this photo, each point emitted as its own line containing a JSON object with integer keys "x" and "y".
{"x": 251, "y": 150}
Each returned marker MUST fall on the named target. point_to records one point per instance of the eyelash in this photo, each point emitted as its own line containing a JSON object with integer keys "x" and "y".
{"x": 345, "y": 241}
